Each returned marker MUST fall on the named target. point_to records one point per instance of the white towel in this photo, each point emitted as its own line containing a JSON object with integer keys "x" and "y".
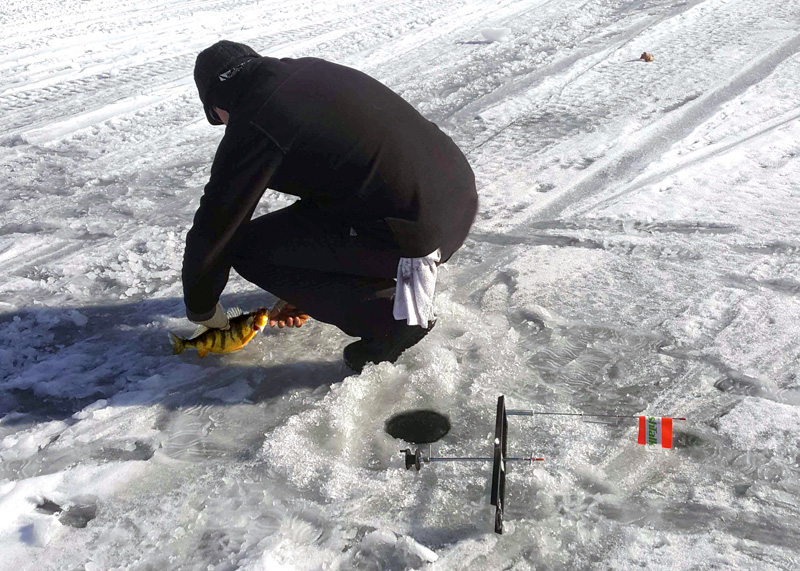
{"x": 416, "y": 282}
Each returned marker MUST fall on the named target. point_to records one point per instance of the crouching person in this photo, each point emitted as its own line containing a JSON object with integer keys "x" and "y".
{"x": 384, "y": 197}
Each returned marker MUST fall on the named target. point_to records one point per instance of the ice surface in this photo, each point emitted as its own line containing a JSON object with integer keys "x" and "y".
{"x": 636, "y": 250}
{"x": 496, "y": 34}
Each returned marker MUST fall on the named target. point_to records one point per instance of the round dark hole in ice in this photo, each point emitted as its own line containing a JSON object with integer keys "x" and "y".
{"x": 418, "y": 426}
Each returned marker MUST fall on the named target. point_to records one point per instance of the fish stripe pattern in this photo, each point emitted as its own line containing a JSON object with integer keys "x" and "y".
{"x": 243, "y": 328}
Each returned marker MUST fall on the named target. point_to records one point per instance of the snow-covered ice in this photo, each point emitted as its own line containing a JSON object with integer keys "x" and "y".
{"x": 636, "y": 250}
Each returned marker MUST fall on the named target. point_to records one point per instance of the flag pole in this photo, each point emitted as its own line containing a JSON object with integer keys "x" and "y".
{"x": 520, "y": 412}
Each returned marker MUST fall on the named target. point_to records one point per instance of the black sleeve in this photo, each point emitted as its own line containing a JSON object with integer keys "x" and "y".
{"x": 243, "y": 166}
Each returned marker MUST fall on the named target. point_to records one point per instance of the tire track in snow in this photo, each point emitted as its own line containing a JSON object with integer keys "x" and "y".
{"x": 598, "y": 109}
{"x": 558, "y": 74}
{"x": 475, "y": 69}
{"x": 653, "y": 142}
{"x": 447, "y": 23}
{"x": 41, "y": 108}
{"x": 65, "y": 91}
{"x": 115, "y": 80}
{"x": 691, "y": 160}
{"x": 658, "y": 137}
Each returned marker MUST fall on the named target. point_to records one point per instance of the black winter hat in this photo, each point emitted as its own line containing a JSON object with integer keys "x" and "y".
{"x": 213, "y": 66}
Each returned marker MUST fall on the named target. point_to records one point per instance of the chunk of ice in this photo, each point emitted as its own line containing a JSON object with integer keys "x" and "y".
{"x": 496, "y": 34}
{"x": 78, "y": 318}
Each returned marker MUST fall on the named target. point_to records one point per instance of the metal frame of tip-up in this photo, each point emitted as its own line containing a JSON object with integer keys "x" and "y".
{"x": 499, "y": 460}
{"x": 500, "y": 457}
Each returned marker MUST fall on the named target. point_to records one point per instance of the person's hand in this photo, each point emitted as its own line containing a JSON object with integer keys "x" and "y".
{"x": 284, "y": 314}
{"x": 217, "y": 321}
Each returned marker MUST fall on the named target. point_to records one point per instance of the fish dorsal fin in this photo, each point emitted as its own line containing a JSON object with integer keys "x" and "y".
{"x": 233, "y": 312}
{"x": 199, "y": 331}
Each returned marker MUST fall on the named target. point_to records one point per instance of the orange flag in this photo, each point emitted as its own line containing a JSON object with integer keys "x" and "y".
{"x": 654, "y": 430}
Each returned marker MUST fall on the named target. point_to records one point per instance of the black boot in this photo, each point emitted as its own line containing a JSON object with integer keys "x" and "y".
{"x": 358, "y": 354}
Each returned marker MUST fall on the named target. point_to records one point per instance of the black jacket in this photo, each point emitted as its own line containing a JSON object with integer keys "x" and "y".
{"x": 340, "y": 140}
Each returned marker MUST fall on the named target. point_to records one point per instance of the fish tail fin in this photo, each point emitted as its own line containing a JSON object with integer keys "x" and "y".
{"x": 178, "y": 345}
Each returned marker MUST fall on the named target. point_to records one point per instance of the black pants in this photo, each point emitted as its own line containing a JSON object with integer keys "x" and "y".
{"x": 305, "y": 257}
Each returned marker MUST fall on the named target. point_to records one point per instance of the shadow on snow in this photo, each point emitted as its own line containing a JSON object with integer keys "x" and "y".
{"x": 56, "y": 361}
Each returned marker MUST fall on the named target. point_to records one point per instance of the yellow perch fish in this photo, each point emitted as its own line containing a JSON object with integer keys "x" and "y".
{"x": 243, "y": 327}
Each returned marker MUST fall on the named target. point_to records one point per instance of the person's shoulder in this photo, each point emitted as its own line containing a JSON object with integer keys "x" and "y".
{"x": 284, "y": 66}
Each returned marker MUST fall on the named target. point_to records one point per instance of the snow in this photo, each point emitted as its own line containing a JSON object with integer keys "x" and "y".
{"x": 496, "y": 34}
{"x": 636, "y": 250}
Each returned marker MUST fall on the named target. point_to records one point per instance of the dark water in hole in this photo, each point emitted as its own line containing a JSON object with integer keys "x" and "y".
{"x": 418, "y": 426}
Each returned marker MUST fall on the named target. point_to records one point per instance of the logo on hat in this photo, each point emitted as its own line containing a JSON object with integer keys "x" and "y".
{"x": 231, "y": 72}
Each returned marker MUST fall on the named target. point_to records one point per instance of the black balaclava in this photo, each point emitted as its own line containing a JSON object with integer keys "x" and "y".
{"x": 216, "y": 65}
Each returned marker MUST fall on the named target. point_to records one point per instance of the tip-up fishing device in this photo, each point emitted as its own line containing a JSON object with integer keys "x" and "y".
{"x": 652, "y": 430}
